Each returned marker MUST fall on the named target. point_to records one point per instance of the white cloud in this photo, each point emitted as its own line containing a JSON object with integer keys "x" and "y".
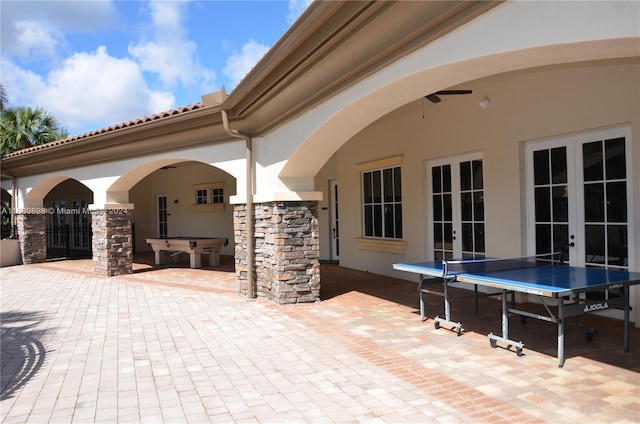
{"x": 239, "y": 64}
{"x": 89, "y": 91}
{"x": 296, "y": 7}
{"x": 168, "y": 52}
{"x": 36, "y": 28}
{"x": 36, "y": 41}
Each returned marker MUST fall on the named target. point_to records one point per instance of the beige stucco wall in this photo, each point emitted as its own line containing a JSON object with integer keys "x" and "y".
{"x": 10, "y": 252}
{"x": 68, "y": 191}
{"x": 524, "y": 106}
{"x": 176, "y": 183}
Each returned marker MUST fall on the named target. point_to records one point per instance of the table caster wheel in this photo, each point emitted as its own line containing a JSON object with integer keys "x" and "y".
{"x": 459, "y": 331}
{"x": 436, "y": 325}
{"x": 519, "y": 351}
{"x": 493, "y": 343}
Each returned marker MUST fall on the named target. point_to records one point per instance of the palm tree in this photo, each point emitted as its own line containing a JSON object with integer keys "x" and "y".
{"x": 3, "y": 98}
{"x": 23, "y": 127}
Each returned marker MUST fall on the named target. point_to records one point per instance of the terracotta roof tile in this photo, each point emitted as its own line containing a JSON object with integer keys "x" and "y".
{"x": 75, "y": 138}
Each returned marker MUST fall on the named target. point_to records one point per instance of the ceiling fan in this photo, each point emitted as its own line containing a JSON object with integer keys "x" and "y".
{"x": 433, "y": 97}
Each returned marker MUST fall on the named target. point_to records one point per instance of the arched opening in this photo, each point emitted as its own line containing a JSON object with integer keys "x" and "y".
{"x": 177, "y": 199}
{"x": 68, "y": 220}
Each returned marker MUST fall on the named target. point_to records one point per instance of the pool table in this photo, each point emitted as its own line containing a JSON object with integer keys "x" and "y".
{"x": 194, "y": 246}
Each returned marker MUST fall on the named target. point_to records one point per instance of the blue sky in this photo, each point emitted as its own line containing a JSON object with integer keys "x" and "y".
{"x": 95, "y": 63}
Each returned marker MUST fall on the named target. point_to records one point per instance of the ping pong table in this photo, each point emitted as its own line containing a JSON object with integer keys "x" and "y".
{"x": 571, "y": 288}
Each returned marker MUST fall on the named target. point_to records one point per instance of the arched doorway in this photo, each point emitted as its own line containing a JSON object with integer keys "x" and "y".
{"x": 68, "y": 220}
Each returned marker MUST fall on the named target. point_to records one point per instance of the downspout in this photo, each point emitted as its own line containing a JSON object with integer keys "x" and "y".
{"x": 249, "y": 195}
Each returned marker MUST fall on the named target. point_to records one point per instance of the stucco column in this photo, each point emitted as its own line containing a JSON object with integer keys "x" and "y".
{"x": 32, "y": 235}
{"x": 112, "y": 242}
{"x": 287, "y": 251}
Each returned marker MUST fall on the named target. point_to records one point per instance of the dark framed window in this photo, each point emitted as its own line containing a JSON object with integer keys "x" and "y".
{"x": 217, "y": 195}
{"x": 201, "y": 196}
{"x": 382, "y": 203}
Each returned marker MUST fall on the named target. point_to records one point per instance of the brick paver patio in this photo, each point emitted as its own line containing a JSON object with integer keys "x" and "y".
{"x": 174, "y": 344}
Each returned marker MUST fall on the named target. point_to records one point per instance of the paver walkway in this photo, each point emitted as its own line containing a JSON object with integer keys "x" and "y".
{"x": 180, "y": 345}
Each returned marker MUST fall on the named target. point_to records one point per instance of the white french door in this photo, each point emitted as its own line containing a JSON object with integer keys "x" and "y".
{"x": 579, "y": 198}
{"x": 161, "y": 215}
{"x": 335, "y": 221}
{"x": 456, "y": 209}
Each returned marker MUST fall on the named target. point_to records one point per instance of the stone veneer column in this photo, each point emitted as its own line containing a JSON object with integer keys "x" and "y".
{"x": 32, "y": 235}
{"x": 111, "y": 239}
{"x": 287, "y": 268}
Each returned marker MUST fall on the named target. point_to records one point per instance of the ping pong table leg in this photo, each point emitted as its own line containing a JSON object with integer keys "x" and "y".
{"x": 437, "y": 321}
{"x": 625, "y": 295}
{"x": 475, "y": 290}
{"x": 561, "y": 333}
{"x": 494, "y": 339}
{"x": 422, "y": 304}
{"x": 505, "y": 317}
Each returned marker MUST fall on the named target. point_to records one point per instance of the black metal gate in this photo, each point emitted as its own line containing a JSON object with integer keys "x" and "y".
{"x": 69, "y": 241}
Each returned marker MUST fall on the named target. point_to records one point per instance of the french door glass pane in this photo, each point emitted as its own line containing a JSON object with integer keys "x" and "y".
{"x": 617, "y": 202}
{"x": 442, "y": 212}
{"x": 560, "y": 204}
{"x": 559, "y": 165}
{"x": 617, "y": 246}
{"x": 466, "y": 207}
{"x": 465, "y": 176}
{"x": 561, "y": 240}
{"x": 543, "y": 238}
{"x": 467, "y": 237}
{"x": 437, "y": 208}
{"x": 594, "y": 244}
{"x": 543, "y": 204}
{"x": 594, "y": 202}
{"x": 436, "y": 179}
{"x": 446, "y": 207}
{"x": 479, "y": 238}
{"x": 605, "y": 198}
{"x": 472, "y": 208}
{"x": 592, "y": 159}
{"x": 541, "y": 167}
{"x": 551, "y": 201}
{"x": 446, "y": 178}
{"x": 478, "y": 179}
{"x": 615, "y": 159}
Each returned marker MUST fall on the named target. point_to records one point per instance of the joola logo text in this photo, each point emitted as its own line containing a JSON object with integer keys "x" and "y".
{"x": 596, "y": 306}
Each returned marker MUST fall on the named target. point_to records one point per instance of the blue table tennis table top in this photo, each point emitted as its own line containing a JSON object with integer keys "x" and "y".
{"x": 548, "y": 280}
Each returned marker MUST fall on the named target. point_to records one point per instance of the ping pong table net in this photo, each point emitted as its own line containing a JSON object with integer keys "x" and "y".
{"x": 485, "y": 265}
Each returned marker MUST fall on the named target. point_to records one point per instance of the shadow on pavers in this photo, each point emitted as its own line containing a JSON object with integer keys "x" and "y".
{"x": 22, "y": 354}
